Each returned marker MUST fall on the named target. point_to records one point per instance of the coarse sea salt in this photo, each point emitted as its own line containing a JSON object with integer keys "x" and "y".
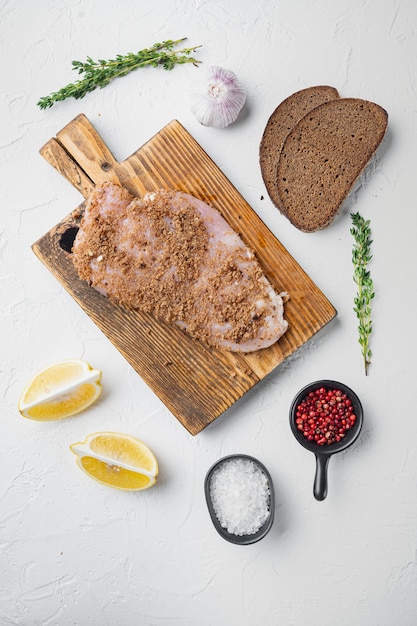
{"x": 240, "y": 494}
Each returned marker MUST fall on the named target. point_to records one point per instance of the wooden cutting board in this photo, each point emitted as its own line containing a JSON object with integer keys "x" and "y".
{"x": 195, "y": 382}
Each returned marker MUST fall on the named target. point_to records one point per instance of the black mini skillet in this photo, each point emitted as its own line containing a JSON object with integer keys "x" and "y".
{"x": 323, "y": 453}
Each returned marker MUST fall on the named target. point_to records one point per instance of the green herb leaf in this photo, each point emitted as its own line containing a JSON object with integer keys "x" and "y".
{"x": 97, "y": 74}
{"x": 361, "y": 256}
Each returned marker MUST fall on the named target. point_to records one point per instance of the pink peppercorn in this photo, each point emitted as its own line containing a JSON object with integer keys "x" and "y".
{"x": 325, "y": 415}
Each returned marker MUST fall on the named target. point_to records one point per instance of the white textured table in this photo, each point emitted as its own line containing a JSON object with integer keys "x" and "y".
{"x": 75, "y": 552}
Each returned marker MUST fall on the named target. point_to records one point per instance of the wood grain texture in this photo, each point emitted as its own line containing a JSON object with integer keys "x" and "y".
{"x": 195, "y": 382}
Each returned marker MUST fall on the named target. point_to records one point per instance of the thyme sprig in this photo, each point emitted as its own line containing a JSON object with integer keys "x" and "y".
{"x": 100, "y": 73}
{"x": 361, "y": 256}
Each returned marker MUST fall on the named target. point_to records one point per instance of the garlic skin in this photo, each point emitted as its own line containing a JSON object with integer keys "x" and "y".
{"x": 217, "y": 97}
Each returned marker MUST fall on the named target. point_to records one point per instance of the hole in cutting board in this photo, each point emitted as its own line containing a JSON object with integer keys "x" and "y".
{"x": 66, "y": 240}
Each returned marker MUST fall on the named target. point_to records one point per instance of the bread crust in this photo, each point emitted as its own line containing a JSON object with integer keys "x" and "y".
{"x": 323, "y": 155}
{"x": 280, "y": 123}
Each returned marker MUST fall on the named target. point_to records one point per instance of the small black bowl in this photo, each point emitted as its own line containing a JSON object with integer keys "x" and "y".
{"x": 265, "y": 528}
{"x": 323, "y": 453}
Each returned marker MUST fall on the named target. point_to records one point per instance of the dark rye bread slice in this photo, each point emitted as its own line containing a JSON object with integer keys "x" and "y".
{"x": 282, "y": 120}
{"x": 322, "y": 157}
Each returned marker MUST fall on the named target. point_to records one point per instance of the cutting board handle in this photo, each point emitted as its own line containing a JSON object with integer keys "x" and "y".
{"x": 81, "y": 156}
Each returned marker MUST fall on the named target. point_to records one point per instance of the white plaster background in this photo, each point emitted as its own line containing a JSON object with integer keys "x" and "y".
{"x": 75, "y": 552}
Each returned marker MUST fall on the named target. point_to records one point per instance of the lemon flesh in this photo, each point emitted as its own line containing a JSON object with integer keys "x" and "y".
{"x": 117, "y": 460}
{"x": 60, "y": 390}
{"x": 115, "y": 475}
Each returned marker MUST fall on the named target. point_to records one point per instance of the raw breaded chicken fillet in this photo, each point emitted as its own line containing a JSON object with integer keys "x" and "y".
{"x": 176, "y": 257}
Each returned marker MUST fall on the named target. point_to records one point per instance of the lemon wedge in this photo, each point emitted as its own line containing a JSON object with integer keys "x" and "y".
{"x": 117, "y": 460}
{"x": 60, "y": 390}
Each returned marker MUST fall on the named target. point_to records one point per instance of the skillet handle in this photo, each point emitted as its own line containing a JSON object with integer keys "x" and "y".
{"x": 320, "y": 479}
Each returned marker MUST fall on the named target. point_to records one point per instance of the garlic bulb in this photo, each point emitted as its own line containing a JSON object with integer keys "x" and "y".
{"x": 217, "y": 97}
